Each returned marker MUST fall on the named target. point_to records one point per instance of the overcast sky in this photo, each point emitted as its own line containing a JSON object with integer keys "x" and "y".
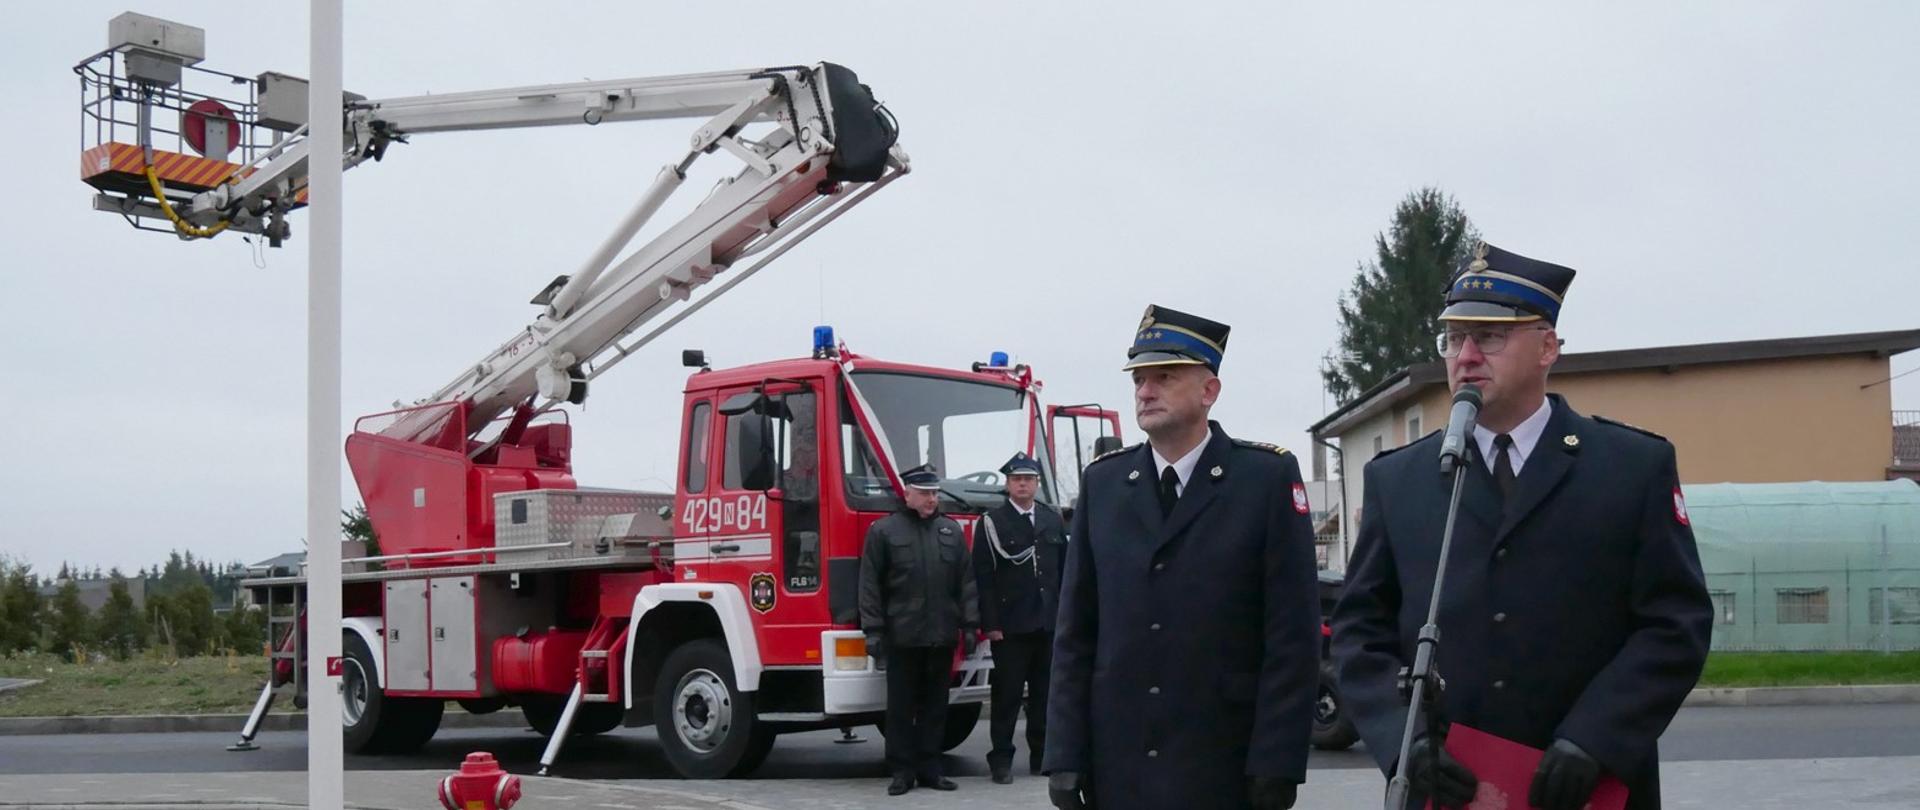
{"x": 1722, "y": 171}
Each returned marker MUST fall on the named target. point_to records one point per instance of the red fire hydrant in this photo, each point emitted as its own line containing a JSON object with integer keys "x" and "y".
{"x": 480, "y": 785}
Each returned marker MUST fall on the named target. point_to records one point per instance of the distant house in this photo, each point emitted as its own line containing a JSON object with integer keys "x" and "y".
{"x": 1760, "y": 411}
{"x": 94, "y": 592}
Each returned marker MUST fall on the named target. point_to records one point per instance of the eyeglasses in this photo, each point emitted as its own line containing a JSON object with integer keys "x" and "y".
{"x": 1489, "y": 339}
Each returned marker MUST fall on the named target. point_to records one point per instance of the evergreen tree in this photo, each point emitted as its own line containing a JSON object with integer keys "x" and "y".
{"x": 23, "y": 609}
{"x": 119, "y": 626}
{"x": 1389, "y": 317}
{"x": 71, "y": 624}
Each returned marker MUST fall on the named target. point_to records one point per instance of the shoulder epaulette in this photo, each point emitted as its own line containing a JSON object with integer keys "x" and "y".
{"x": 1391, "y": 450}
{"x": 1634, "y": 428}
{"x": 1251, "y": 445}
{"x": 1111, "y": 453}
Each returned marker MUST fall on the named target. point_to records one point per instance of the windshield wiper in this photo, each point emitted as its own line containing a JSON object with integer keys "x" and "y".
{"x": 964, "y": 503}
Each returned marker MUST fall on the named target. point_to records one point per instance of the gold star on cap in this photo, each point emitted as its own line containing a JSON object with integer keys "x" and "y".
{"x": 1217, "y": 472}
{"x": 1571, "y": 440}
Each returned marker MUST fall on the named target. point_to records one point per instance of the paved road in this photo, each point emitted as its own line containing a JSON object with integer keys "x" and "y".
{"x": 1698, "y": 734}
{"x": 1867, "y": 755}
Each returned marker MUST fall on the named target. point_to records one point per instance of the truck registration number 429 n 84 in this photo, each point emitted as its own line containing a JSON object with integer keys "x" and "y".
{"x": 742, "y": 513}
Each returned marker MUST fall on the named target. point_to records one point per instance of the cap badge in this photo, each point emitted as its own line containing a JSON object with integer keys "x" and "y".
{"x": 1479, "y": 263}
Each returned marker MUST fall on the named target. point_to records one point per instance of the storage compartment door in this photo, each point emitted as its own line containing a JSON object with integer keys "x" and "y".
{"x": 455, "y": 645}
{"x": 406, "y": 609}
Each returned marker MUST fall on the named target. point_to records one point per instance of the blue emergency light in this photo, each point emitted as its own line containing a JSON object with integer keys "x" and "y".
{"x": 998, "y": 360}
{"x": 823, "y": 341}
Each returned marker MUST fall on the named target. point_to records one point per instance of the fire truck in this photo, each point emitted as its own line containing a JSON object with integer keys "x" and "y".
{"x": 723, "y": 612}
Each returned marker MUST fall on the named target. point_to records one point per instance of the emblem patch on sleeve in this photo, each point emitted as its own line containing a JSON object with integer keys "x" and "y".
{"x": 1680, "y": 508}
{"x": 1300, "y": 499}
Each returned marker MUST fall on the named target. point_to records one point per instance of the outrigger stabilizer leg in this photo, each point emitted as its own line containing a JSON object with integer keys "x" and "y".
{"x": 560, "y": 731}
{"x": 252, "y": 727}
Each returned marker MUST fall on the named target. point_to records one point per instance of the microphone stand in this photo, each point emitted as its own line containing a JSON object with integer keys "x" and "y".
{"x": 1420, "y": 683}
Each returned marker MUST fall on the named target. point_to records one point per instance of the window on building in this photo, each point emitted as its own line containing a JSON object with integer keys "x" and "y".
{"x": 1413, "y": 426}
{"x": 1377, "y": 445}
{"x": 1902, "y": 608}
{"x": 1800, "y": 605}
{"x": 1723, "y": 606}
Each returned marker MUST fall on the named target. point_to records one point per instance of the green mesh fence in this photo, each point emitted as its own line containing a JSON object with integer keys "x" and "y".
{"x": 1812, "y": 565}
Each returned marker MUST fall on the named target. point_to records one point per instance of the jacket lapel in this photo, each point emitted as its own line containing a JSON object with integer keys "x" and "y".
{"x": 1143, "y": 495}
{"x": 1552, "y": 458}
{"x": 1200, "y": 489}
{"x": 1480, "y": 498}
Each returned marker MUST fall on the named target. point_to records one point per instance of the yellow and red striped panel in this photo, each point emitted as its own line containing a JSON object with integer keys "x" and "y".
{"x": 118, "y": 166}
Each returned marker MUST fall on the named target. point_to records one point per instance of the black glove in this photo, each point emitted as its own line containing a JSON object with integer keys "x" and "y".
{"x": 1069, "y": 791}
{"x": 877, "y": 646}
{"x": 1566, "y": 778}
{"x": 1271, "y": 792}
{"x": 1436, "y": 773}
{"x": 969, "y": 641}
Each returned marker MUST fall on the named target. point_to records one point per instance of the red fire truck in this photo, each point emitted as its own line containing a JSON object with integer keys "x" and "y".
{"x": 722, "y": 612}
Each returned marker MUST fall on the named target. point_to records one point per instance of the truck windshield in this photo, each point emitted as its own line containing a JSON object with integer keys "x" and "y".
{"x": 965, "y": 429}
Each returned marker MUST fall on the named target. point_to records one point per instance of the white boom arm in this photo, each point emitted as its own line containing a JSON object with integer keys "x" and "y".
{"x": 829, "y": 147}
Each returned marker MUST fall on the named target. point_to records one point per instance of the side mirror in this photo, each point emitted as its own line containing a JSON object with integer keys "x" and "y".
{"x": 1106, "y": 444}
{"x": 693, "y": 358}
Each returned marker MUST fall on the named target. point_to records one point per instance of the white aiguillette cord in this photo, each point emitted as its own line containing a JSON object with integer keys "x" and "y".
{"x": 993, "y": 539}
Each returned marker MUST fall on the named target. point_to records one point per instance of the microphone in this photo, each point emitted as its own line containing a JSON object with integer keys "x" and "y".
{"x": 1466, "y": 410}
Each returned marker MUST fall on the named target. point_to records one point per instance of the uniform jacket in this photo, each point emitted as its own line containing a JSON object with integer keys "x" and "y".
{"x": 1187, "y": 650}
{"x": 1577, "y": 610}
{"x": 1020, "y": 597}
{"x": 916, "y": 581}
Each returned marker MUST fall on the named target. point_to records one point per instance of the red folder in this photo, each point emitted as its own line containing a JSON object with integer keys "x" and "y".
{"x": 1505, "y": 769}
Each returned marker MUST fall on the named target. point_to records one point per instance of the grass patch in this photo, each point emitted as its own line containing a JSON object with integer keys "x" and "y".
{"x": 1729, "y": 669}
{"x": 148, "y": 684}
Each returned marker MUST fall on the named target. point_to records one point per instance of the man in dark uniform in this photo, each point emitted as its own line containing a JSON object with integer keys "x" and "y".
{"x": 1575, "y": 617}
{"x": 1187, "y": 651}
{"x": 916, "y": 596}
{"x": 1017, "y": 551}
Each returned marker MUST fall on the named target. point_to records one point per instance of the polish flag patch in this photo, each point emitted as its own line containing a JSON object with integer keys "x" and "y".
{"x": 1300, "y": 498}
{"x": 1680, "y": 508}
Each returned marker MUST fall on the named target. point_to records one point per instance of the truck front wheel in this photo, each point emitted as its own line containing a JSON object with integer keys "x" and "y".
{"x": 373, "y": 722}
{"x": 705, "y": 723}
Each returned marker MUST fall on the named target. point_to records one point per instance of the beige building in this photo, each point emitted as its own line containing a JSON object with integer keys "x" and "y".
{"x": 1793, "y": 409}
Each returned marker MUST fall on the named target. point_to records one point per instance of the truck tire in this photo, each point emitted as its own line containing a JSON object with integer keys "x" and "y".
{"x": 373, "y": 722}
{"x": 757, "y": 751}
{"x": 705, "y": 723}
{"x": 960, "y": 722}
{"x": 543, "y": 715}
{"x": 1332, "y": 729}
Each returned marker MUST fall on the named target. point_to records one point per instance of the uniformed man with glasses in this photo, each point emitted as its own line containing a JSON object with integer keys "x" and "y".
{"x": 1575, "y": 617}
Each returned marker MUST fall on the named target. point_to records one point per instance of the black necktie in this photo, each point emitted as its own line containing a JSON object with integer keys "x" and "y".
{"x": 1169, "y": 490}
{"x": 1503, "y": 464}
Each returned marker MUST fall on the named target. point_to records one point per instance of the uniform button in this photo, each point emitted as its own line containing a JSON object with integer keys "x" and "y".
{"x": 1153, "y": 690}
{"x": 1499, "y": 617}
{"x": 1499, "y": 684}
{"x": 1500, "y": 554}
{"x": 1153, "y": 752}
{"x": 1154, "y": 626}
{"x": 1159, "y": 566}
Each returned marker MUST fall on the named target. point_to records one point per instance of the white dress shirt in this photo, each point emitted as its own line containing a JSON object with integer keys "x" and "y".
{"x": 1182, "y": 468}
{"x": 1525, "y": 436}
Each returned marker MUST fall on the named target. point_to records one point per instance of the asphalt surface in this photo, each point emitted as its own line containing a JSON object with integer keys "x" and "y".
{"x": 1698, "y": 734}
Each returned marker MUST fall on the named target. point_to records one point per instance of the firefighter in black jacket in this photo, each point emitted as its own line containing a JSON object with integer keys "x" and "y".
{"x": 1188, "y": 646}
{"x": 916, "y": 598}
{"x": 1575, "y": 617}
{"x": 1017, "y": 553}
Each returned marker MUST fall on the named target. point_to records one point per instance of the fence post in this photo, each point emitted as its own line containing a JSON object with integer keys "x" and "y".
{"x": 1886, "y": 594}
